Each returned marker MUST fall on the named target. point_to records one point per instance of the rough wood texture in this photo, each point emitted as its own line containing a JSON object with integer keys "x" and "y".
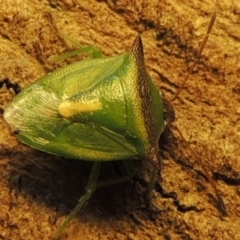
{"x": 38, "y": 190}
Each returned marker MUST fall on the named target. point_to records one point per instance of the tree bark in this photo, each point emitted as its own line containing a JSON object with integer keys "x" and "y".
{"x": 39, "y": 190}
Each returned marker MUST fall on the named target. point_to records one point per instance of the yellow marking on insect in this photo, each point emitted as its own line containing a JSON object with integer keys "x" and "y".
{"x": 68, "y": 108}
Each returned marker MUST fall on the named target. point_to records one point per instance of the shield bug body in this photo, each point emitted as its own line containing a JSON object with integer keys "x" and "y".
{"x": 64, "y": 112}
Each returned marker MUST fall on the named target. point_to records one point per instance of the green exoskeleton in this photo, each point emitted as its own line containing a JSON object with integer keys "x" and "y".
{"x": 109, "y": 100}
{"x": 98, "y": 110}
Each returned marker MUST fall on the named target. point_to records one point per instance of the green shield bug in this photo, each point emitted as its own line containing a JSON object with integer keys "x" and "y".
{"x": 110, "y": 99}
{"x": 91, "y": 97}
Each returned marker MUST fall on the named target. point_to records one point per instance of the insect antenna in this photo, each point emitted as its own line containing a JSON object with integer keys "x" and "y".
{"x": 170, "y": 117}
{"x": 199, "y": 54}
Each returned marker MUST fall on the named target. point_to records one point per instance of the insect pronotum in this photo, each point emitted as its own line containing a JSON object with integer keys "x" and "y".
{"x": 64, "y": 112}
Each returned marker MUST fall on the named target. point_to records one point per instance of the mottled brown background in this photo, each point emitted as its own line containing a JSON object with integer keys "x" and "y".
{"x": 38, "y": 190}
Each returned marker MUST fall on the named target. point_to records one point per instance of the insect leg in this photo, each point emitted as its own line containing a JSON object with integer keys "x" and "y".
{"x": 91, "y": 187}
{"x": 131, "y": 170}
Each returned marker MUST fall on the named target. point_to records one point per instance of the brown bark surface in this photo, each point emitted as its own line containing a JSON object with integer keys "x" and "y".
{"x": 38, "y": 190}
